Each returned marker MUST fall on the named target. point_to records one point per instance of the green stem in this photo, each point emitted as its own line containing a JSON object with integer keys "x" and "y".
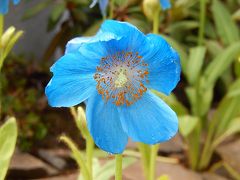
{"x": 118, "y": 172}
{"x": 145, "y": 157}
{"x": 193, "y": 141}
{"x": 89, "y": 151}
{"x": 202, "y": 22}
{"x": 111, "y": 13}
{"x": 156, "y": 20}
{"x": 152, "y": 163}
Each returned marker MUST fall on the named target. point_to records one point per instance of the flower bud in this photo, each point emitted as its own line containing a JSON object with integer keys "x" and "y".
{"x": 7, "y": 36}
{"x": 149, "y": 7}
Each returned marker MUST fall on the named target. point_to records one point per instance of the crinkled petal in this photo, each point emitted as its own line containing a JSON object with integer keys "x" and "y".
{"x": 165, "y": 4}
{"x": 15, "y": 1}
{"x": 104, "y": 125}
{"x": 149, "y": 120}
{"x": 72, "y": 81}
{"x": 135, "y": 39}
{"x": 75, "y": 44}
{"x": 164, "y": 65}
{"x": 4, "y": 6}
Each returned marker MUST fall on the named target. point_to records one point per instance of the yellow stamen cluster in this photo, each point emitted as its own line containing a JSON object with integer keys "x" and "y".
{"x": 121, "y": 78}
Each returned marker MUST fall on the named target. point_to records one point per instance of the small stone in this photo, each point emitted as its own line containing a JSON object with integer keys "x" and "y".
{"x": 52, "y": 157}
{"x": 174, "y": 171}
{"x": 26, "y": 166}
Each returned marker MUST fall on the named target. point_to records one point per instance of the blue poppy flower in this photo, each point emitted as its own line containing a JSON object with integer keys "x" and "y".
{"x": 102, "y": 5}
{"x": 165, "y": 4}
{"x": 4, "y": 5}
{"x": 113, "y": 72}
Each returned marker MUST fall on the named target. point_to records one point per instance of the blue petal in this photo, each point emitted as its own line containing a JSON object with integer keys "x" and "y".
{"x": 105, "y": 126}
{"x": 72, "y": 81}
{"x": 135, "y": 41}
{"x": 4, "y": 6}
{"x": 75, "y": 44}
{"x": 98, "y": 50}
{"x": 164, "y": 65}
{"x": 15, "y": 1}
{"x": 149, "y": 120}
{"x": 165, "y": 4}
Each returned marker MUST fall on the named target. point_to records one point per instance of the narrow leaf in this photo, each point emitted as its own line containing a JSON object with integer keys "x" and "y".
{"x": 77, "y": 156}
{"x": 226, "y": 27}
{"x": 195, "y": 63}
{"x": 220, "y": 63}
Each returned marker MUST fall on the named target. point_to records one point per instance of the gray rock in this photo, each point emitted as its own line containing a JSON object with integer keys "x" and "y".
{"x": 53, "y": 157}
{"x": 26, "y": 166}
{"x": 174, "y": 171}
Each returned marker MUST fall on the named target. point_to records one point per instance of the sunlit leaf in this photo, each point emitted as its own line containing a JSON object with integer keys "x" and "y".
{"x": 186, "y": 124}
{"x": 233, "y": 128}
{"x": 8, "y": 138}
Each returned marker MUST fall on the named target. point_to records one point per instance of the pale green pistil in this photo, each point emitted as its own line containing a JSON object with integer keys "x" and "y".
{"x": 121, "y": 78}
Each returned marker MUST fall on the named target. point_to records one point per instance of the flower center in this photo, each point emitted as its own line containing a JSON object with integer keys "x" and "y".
{"x": 121, "y": 78}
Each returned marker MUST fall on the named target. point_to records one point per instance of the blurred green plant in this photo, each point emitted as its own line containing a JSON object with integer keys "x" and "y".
{"x": 211, "y": 75}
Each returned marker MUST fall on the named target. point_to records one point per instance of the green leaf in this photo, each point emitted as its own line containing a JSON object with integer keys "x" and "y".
{"x": 187, "y": 124}
{"x": 233, "y": 128}
{"x": 234, "y": 89}
{"x": 214, "y": 47}
{"x": 195, "y": 63}
{"x": 225, "y": 113}
{"x": 225, "y": 26}
{"x": 200, "y": 99}
{"x": 8, "y": 138}
{"x": 220, "y": 63}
